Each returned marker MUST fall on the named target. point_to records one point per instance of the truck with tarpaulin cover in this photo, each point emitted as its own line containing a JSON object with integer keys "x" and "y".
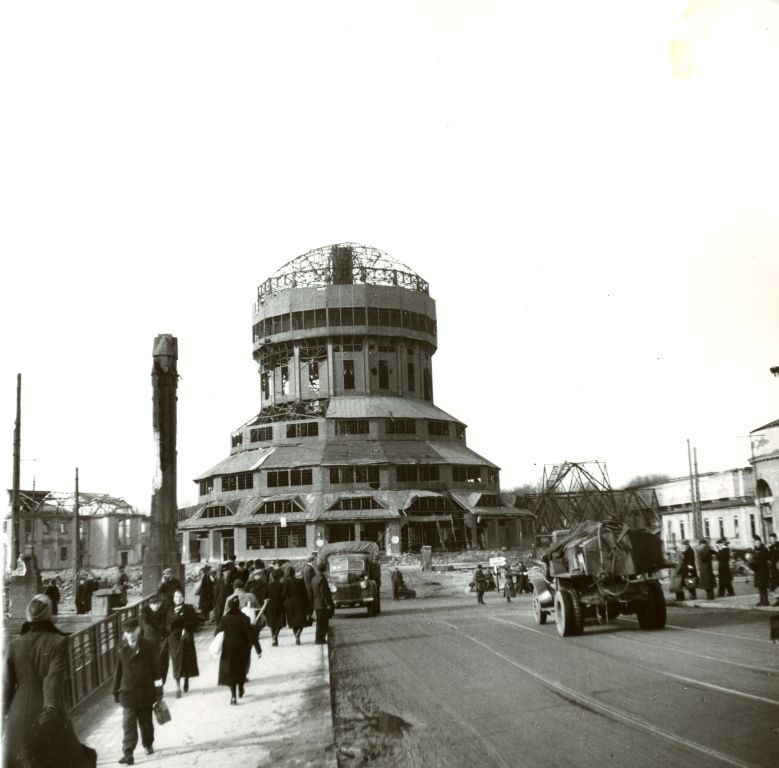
{"x": 599, "y": 570}
{"x": 354, "y": 574}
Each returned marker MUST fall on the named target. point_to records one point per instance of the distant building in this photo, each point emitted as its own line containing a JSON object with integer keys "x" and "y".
{"x": 727, "y": 508}
{"x": 348, "y": 443}
{"x": 765, "y": 462}
{"x": 111, "y": 531}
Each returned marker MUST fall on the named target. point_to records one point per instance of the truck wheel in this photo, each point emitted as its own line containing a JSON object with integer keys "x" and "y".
{"x": 651, "y": 613}
{"x": 577, "y": 613}
{"x": 563, "y": 613}
{"x": 539, "y": 614}
{"x": 659, "y": 605}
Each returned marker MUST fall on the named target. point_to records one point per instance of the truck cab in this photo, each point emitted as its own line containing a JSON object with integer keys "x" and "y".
{"x": 354, "y": 574}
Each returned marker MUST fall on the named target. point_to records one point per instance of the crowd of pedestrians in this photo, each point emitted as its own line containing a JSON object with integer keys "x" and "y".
{"x": 694, "y": 569}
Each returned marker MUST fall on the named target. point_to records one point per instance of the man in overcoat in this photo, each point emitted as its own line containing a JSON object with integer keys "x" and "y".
{"x": 309, "y": 571}
{"x": 137, "y": 686}
{"x": 759, "y": 564}
{"x": 323, "y": 603}
{"x": 773, "y": 563}
{"x": 705, "y": 570}
{"x": 480, "y": 582}
{"x": 36, "y": 728}
{"x": 688, "y": 571}
{"x": 724, "y": 575}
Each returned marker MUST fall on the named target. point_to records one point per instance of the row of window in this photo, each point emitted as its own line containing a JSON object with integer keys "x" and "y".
{"x": 353, "y": 473}
{"x": 422, "y": 504}
{"x": 343, "y": 316}
{"x": 721, "y": 529}
{"x": 353, "y": 427}
{"x": 275, "y": 536}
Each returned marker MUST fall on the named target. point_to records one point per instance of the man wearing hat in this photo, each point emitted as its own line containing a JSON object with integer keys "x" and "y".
{"x": 168, "y": 586}
{"x": 137, "y": 686}
{"x": 308, "y": 573}
{"x": 480, "y": 582}
{"x": 36, "y": 726}
{"x": 724, "y": 576}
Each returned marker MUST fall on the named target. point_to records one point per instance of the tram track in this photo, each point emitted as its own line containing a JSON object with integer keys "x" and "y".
{"x": 593, "y": 704}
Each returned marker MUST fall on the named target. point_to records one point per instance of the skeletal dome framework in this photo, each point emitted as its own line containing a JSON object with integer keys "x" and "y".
{"x": 343, "y": 263}
{"x": 348, "y": 443}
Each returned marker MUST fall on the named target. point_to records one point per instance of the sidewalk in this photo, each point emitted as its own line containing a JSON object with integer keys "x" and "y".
{"x": 738, "y": 602}
{"x": 284, "y": 719}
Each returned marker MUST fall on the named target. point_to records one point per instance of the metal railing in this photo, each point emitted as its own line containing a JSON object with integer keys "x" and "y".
{"x": 92, "y": 653}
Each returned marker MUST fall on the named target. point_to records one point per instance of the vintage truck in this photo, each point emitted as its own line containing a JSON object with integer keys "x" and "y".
{"x": 598, "y": 571}
{"x": 354, "y": 573}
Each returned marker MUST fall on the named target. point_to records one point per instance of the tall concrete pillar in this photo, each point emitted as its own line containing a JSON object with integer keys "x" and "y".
{"x": 163, "y": 550}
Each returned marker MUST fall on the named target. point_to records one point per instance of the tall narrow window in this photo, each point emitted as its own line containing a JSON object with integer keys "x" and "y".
{"x": 265, "y": 382}
{"x": 736, "y": 533}
{"x": 706, "y": 529}
{"x": 383, "y": 374}
{"x": 313, "y": 376}
{"x": 348, "y": 374}
{"x": 284, "y": 380}
{"x": 411, "y": 378}
{"x": 427, "y": 382}
{"x": 752, "y": 525}
{"x": 721, "y": 528}
{"x": 681, "y": 530}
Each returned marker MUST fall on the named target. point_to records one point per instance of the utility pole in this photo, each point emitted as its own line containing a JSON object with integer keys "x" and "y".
{"x": 76, "y": 542}
{"x": 699, "y": 518}
{"x": 692, "y": 494}
{"x": 15, "y": 547}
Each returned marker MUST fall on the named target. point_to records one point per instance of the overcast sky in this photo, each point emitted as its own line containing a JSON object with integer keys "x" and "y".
{"x": 598, "y": 222}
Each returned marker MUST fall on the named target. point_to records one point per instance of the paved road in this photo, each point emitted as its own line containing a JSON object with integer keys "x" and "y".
{"x": 444, "y": 682}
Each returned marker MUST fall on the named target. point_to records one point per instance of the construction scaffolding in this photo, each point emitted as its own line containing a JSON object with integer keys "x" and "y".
{"x": 573, "y": 492}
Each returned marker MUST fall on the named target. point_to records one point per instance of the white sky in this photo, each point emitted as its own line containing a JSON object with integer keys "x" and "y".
{"x": 601, "y": 237}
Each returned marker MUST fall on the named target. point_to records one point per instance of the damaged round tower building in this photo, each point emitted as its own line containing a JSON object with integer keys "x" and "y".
{"x": 348, "y": 444}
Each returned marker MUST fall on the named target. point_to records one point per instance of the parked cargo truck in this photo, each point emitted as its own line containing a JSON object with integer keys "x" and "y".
{"x": 599, "y": 571}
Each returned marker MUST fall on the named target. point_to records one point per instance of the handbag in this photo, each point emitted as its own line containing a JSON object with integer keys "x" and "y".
{"x": 215, "y": 649}
{"x": 161, "y": 712}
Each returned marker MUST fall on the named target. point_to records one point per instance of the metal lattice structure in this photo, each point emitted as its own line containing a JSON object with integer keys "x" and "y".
{"x": 343, "y": 264}
{"x": 574, "y": 492}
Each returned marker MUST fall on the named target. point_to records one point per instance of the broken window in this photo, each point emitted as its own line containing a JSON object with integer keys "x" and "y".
{"x": 284, "y": 380}
{"x": 352, "y": 427}
{"x": 237, "y": 440}
{"x": 206, "y": 486}
{"x": 259, "y": 434}
{"x": 304, "y": 429}
{"x": 217, "y": 511}
{"x": 459, "y": 431}
{"x": 265, "y": 383}
{"x": 348, "y": 374}
{"x": 313, "y": 376}
{"x": 384, "y": 372}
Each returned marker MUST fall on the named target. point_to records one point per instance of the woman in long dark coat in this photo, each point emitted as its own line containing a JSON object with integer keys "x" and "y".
{"x": 705, "y": 569}
{"x": 236, "y": 647}
{"x": 222, "y": 590}
{"x": 274, "y": 613}
{"x": 154, "y": 627}
{"x": 205, "y": 593}
{"x": 296, "y": 604}
{"x": 36, "y": 728}
{"x": 182, "y": 621}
